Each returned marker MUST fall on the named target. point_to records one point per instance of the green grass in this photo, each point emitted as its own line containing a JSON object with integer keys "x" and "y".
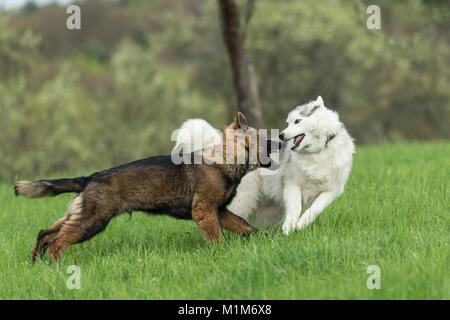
{"x": 394, "y": 214}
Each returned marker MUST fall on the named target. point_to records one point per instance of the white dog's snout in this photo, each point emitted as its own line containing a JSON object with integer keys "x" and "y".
{"x": 286, "y": 134}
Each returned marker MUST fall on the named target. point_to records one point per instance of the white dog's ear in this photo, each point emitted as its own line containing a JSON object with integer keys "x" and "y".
{"x": 319, "y": 101}
{"x": 309, "y": 108}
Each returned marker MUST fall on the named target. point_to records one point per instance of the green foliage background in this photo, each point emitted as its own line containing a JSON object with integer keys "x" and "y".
{"x": 115, "y": 90}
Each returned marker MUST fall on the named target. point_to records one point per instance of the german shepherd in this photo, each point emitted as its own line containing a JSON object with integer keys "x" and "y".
{"x": 155, "y": 185}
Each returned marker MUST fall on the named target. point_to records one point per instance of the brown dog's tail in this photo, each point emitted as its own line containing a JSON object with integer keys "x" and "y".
{"x": 49, "y": 188}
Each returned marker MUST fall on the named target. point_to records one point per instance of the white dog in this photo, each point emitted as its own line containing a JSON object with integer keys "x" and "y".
{"x": 315, "y": 162}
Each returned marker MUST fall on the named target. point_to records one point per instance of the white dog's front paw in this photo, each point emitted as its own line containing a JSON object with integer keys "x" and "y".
{"x": 288, "y": 227}
{"x": 301, "y": 224}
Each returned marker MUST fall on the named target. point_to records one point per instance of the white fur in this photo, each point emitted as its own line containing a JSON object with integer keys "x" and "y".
{"x": 196, "y": 134}
{"x": 75, "y": 207}
{"x": 309, "y": 178}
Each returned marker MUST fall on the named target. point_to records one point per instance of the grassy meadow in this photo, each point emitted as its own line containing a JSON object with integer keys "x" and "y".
{"x": 394, "y": 214}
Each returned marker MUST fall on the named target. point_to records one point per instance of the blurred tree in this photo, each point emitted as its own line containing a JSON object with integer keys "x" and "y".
{"x": 244, "y": 77}
{"x": 29, "y": 7}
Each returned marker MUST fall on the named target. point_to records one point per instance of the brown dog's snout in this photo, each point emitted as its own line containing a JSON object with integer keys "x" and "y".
{"x": 269, "y": 147}
{"x": 273, "y": 146}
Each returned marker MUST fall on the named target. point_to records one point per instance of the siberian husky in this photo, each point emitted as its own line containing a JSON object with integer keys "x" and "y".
{"x": 315, "y": 162}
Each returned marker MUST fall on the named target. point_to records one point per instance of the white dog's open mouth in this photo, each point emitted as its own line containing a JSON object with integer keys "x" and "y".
{"x": 297, "y": 140}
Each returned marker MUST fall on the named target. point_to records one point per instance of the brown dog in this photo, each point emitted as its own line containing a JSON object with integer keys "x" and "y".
{"x": 154, "y": 185}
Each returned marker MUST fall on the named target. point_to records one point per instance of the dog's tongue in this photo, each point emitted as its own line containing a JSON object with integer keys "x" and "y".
{"x": 298, "y": 139}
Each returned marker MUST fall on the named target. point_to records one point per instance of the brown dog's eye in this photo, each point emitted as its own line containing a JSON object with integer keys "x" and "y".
{"x": 297, "y": 121}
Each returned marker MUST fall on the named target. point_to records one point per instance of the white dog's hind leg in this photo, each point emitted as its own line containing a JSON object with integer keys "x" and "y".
{"x": 292, "y": 195}
{"x": 319, "y": 204}
{"x": 247, "y": 195}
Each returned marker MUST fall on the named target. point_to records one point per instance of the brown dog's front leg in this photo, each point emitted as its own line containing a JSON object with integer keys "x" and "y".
{"x": 231, "y": 222}
{"x": 204, "y": 214}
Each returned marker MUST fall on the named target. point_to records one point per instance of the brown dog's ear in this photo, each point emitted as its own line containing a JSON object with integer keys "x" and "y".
{"x": 242, "y": 121}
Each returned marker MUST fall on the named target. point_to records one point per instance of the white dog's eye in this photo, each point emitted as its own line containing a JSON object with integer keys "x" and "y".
{"x": 297, "y": 121}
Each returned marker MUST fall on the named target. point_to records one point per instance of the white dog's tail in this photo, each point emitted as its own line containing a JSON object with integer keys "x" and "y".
{"x": 196, "y": 134}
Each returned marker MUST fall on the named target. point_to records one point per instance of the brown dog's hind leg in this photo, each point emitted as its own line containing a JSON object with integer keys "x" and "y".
{"x": 44, "y": 237}
{"x": 73, "y": 231}
{"x": 231, "y": 222}
{"x": 88, "y": 214}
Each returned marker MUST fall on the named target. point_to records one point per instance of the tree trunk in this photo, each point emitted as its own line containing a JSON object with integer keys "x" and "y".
{"x": 244, "y": 78}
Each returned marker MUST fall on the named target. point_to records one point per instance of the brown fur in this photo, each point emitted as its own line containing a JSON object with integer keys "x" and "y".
{"x": 154, "y": 185}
